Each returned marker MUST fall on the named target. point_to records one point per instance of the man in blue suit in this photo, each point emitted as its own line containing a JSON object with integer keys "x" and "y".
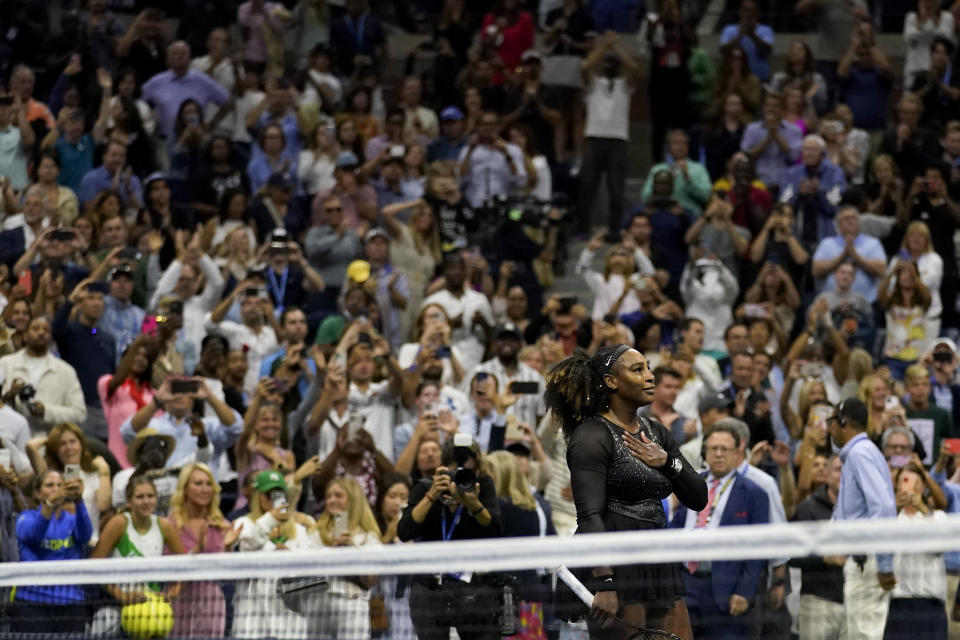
{"x": 719, "y": 593}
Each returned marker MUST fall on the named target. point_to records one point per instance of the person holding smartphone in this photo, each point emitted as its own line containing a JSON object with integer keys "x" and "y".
{"x": 174, "y": 401}
{"x": 58, "y": 528}
{"x": 342, "y": 610}
{"x": 514, "y": 377}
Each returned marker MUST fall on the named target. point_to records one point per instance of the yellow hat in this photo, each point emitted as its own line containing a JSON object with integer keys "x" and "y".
{"x": 359, "y": 271}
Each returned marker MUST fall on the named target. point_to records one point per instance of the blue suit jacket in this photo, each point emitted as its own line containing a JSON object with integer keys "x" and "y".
{"x": 747, "y": 504}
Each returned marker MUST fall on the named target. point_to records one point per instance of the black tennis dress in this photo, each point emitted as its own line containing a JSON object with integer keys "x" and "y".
{"x": 613, "y": 491}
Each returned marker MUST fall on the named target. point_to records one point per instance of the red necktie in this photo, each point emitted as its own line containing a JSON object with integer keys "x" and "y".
{"x": 703, "y": 517}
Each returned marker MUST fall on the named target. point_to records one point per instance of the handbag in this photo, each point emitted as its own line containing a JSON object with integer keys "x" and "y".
{"x": 379, "y": 620}
{"x": 295, "y": 591}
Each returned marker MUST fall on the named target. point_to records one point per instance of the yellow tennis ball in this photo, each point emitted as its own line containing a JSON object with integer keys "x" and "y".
{"x": 150, "y": 619}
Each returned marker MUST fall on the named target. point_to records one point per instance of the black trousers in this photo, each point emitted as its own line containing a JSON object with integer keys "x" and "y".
{"x": 472, "y": 608}
{"x": 42, "y": 618}
{"x": 602, "y": 157}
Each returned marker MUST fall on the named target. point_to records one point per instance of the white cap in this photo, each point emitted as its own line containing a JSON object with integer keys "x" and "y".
{"x": 950, "y": 344}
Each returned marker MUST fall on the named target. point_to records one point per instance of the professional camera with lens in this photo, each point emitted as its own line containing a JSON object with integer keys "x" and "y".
{"x": 27, "y": 393}
{"x": 529, "y": 212}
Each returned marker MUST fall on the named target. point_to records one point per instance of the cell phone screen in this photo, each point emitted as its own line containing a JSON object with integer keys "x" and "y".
{"x": 184, "y": 386}
{"x": 524, "y": 388}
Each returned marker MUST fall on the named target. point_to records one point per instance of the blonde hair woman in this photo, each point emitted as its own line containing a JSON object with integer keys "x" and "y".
{"x": 874, "y": 390}
{"x": 521, "y": 515}
{"x": 917, "y": 248}
{"x": 811, "y": 391}
{"x": 199, "y": 523}
{"x": 271, "y": 525}
{"x": 343, "y": 609}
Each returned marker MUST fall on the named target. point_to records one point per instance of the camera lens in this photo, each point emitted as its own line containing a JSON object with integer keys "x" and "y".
{"x": 465, "y": 479}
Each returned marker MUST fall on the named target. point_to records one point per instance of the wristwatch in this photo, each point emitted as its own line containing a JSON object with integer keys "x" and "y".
{"x": 676, "y": 465}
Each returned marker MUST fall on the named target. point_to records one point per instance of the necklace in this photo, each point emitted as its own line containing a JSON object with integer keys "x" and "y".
{"x": 633, "y": 429}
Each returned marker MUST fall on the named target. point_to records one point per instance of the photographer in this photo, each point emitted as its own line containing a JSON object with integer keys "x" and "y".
{"x": 458, "y": 504}
{"x": 42, "y": 387}
{"x": 490, "y": 165}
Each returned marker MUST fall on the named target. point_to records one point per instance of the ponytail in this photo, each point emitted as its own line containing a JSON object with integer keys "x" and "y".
{"x": 575, "y": 388}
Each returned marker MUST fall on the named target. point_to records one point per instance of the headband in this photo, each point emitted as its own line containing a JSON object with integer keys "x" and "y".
{"x": 607, "y": 364}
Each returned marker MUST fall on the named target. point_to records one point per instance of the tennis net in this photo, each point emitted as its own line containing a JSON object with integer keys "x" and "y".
{"x": 493, "y": 588}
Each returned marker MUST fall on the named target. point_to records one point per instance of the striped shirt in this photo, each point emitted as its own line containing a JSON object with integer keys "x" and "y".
{"x": 528, "y": 406}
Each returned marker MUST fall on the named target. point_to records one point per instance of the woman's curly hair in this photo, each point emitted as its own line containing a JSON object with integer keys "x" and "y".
{"x": 575, "y": 388}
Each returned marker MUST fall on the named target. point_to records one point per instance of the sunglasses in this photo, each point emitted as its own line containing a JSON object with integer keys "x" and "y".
{"x": 333, "y": 209}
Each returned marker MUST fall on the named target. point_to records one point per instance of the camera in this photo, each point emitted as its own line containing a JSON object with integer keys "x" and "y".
{"x": 530, "y": 212}
{"x": 27, "y": 393}
{"x": 464, "y": 479}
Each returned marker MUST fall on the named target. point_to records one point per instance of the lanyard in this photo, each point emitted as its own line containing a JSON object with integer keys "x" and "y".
{"x": 279, "y": 289}
{"x": 448, "y": 533}
{"x": 357, "y": 30}
{"x": 716, "y": 498}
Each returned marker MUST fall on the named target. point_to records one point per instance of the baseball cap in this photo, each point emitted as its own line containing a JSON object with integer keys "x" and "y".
{"x": 451, "y": 113}
{"x": 269, "y": 479}
{"x": 507, "y": 330}
{"x": 376, "y": 232}
{"x": 120, "y": 270}
{"x": 519, "y": 448}
{"x": 346, "y": 159}
{"x": 358, "y": 271}
{"x": 947, "y": 342}
{"x": 531, "y": 54}
{"x": 280, "y": 179}
{"x": 330, "y": 330}
{"x": 98, "y": 287}
{"x": 153, "y": 177}
{"x": 715, "y": 401}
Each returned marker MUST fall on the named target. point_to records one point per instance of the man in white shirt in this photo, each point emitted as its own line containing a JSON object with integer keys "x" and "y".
{"x": 490, "y": 166}
{"x": 610, "y": 78}
{"x": 467, "y": 309}
{"x": 486, "y": 421}
{"x": 182, "y": 278}
{"x": 507, "y": 369}
{"x": 256, "y": 334}
{"x": 218, "y": 65}
{"x": 56, "y": 397}
{"x": 175, "y": 400}
{"x": 16, "y": 139}
{"x": 14, "y": 435}
{"x": 420, "y": 121}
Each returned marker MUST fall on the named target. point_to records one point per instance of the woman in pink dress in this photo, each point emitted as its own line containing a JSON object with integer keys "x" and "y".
{"x": 124, "y": 393}
{"x": 200, "y": 610}
{"x": 259, "y": 447}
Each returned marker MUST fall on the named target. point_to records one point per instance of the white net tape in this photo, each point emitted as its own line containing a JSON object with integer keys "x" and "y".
{"x": 727, "y": 543}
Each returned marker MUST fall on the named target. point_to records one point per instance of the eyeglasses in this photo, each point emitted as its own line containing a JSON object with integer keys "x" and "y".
{"x": 333, "y": 209}
{"x": 719, "y": 450}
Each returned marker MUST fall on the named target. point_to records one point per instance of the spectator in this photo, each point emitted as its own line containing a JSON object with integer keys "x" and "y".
{"x": 717, "y": 601}
{"x": 865, "y": 252}
{"x": 906, "y": 301}
{"x": 73, "y": 148}
{"x": 420, "y": 122}
{"x": 813, "y": 189}
{"x": 735, "y": 77}
{"x": 691, "y": 182}
{"x": 613, "y": 290}
{"x": 722, "y": 139}
{"x": 670, "y": 42}
{"x": 755, "y": 39}
{"x": 866, "y": 80}
{"x": 357, "y": 38}
{"x": 166, "y": 91}
{"x": 921, "y": 412}
{"x": 56, "y": 395}
{"x": 343, "y": 608}
{"x": 217, "y": 65}
{"x": 63, "y": 202}
{"x": 821, "y": 590}
{"x": 920, "y": 592}
{"x": 263, "y": 25}
{"x": 911, "y": 145}
{"x": 535, "y": 105}
{"x": 17, "y": 138}
{"x": 921, "y": 29}
{"x": 772, "y": 143}
{"x": 173, "y": 417}
{"x": 22, "y": 84}
{"x": 939, "y": 91}
{"x": 663, "y": 410}
{"x": 942, "y": 362}
{"x": 798, "y": 71}
{"x": 866, "y": 492}
{"x": 256, "y": 334}
{"x": 452, "y": 140}
{"x": 715, "y": 234}
{"x": 607, "y": 131}
{"x": 23, "y": 231}
{"x": 125, "y": 392}
{"x": 58, "y": 529}
{"x": 269, "y": 159}
{"x": 917, "y": 247}
{"x": 506, "y": 368}
{"x": 709, "y": 290}
{"x": 835, "y": 21}
{"x": 196, "y": 519}
{"x": 114, "y": 174}
{"x": 87, "y": 347}
{"x": 141, "y": 47}
{"x": 433, "y": 332}
{"x": 489, "y": 165}
{"x": 508, "y": 30}
{"x": 357, "y": 457}
{"x": 183, "y": 278}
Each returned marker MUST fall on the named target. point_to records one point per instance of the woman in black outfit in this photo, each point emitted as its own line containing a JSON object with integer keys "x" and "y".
{"x": 621, "y": 467}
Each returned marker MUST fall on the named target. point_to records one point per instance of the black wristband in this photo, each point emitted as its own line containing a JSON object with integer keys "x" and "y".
{"x": 476, "y": 511}
{"x": 670, "y": 468}
{"x": 604, "y": 583}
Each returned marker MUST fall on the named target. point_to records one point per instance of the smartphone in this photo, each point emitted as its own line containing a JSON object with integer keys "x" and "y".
{"x": 899, "y": 461}
{"x": 481, "y": 376}
{"x": 354, "y": 425}
{"x": 566, "y": 303}
{"x": 63, "y": 235}
{"x": 26, "y": 281}
{"x": 254, "y": 292}
{"x": 514, "y": 432}
{"x": 5, "y": 459}
{"x": 811, "y": 370}
{"x": 939, "y": 356}
{"x": 339, "y": 524}
{"x": 71, "y": 472}
{"x": 281, "y": 385}
{"x": 524, "y": 388}
{"x": 278, "y": 497}
{"x": 891, "y": 403}
{"x": 129, "y": 253}
{"x": 364, "y": 337}
{"x": 819, "y": 416}
{"x": 443, "y": 352}
{"x": 149, "y": 326}
{"x": 753, "y": 310}
{"x": 175, "y": 306}
{"x": 950, "y": 445}
{"x": 184, "y": 385}
{"x": 610, "y": 319}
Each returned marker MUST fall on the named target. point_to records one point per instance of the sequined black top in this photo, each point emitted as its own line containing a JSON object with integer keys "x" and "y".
{"x": 603, "y": 471}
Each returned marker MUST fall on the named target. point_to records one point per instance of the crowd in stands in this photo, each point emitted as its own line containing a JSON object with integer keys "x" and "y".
{"x": 259, "y": 268}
